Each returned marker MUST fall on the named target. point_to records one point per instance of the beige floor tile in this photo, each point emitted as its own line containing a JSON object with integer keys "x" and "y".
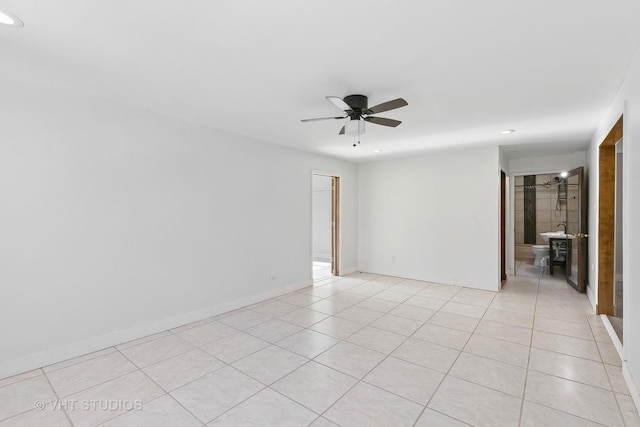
{"x": 89, "y": 373}
{"x": 266, "y": 408}
{"x": 377, "y": 304}
{"x": 426, "y": 354}
{"x": 509, "y": 317}
{"x": 490, "y": 373}
{"x": 37, "y": 418}
{"x": 270, "y": 364}
{"x": 182, "y": 369}
{"x": 367, "y": 406}
{"x": 350, "y": 359}
{"x": 502, "y": 351}
{"x": 439, "y": 292}
{"x": 273, "y": 330}
{"x": 617, "y": 379}
{"x": 431, "y": 418}
{"x": 474, "y": 297}
{"x": 337, "y": 328}
{"x": 348, "y": 298}
{"x": 328, "y": 306}
{"x": 216, "y": 393}
{"x": 161, "y": 412}
{"x": 299, "y": 299}
{"x": 393, "y": 296}
{"x": 377, "y": 339}
{"x": 405, "y": 379}
{"x": 561, "y": 327}
{"x": 235, "y": 347}
{"x": 475, "y": 405}
{"x": 20, "y": 377}
{"x": 628, "y": 410}
{"x": 443, "y": 336}
{"x": 534, "y": 415}
{"x": 123, "y": 392}
{"x": 515, "y": 306}
{"x": 581, "y": 400}
{"x": 464, "y": 309}
{"x": 516, "y": 334}
{"x": 304, "y": 317}
{"x": 413, "y": 312}
{"x": 244, "y": 319}
{"x": 315, "y": 386}
{"x": 359, "y": 315}
{"x": 154, "y": 351}
{"x": 567, "y": 345}
{"x": 308, "y": 343}
{"x": 206, "y": 333}
{"x": 454, "y": 321}
{"x": 426, "y": 302}
{"x": 570, "y": 367}
{"x": 609, "y": 353}
{"x": 21, "y": 396}
{"x": 396, "y": 324}
{"x": 322, "y": 422}
{"x": 274, "y": 308}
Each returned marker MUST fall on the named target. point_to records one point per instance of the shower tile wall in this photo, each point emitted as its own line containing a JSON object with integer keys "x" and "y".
{"x": 547, "y": 216}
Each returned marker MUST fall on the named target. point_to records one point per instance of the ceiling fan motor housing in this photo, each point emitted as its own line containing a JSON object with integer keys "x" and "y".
{"x": 357, "y": 102}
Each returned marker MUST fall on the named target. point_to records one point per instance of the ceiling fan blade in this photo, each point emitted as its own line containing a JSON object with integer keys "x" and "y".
{"x": 386, "y": 106}
{"x": 382, "y": 121}
{"x": 341, "y": 131}
{"x": 323, "y": 118}
{"x": 338, "y": 102}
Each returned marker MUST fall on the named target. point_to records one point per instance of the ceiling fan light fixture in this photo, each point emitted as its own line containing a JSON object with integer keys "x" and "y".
{"x": 10, "y": 20}
{"x": 354, "y": 127}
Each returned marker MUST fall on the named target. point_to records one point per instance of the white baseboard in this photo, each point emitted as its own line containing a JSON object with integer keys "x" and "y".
{"x": 612, "y": 334}
{"x": 68, "y": 351}
{"x": 631, "y": 384}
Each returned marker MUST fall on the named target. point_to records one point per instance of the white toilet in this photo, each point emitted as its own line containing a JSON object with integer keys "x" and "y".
{"x": 542, "y": 255}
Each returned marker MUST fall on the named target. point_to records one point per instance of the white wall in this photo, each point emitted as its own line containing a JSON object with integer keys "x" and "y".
{"x": 626, "y": 101}
{"x": 436, "y": 214}
{"x": 116, "y": 222}
{"x": 321, "y": 219}
{"x": 547, "y": 164}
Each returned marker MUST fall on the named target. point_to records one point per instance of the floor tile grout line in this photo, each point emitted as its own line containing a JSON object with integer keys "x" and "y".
{"x": 526, "y": 377}
{"x": 64, "y": 409}
{"x": 165, "y": 392}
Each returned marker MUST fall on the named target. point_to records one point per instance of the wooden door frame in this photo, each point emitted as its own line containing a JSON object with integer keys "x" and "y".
{"x": 335, "y": 225}
{"x": 503, "y": 227}
{"x": 607, "y": 218}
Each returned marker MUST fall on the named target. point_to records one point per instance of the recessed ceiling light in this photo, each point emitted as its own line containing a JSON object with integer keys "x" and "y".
{"x": 507, "y": 131}
{"x": 377, "y": 151}
{"x": 8, "y": 19}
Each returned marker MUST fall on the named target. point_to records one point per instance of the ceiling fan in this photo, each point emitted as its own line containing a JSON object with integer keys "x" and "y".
{"x": 355, "y": 108}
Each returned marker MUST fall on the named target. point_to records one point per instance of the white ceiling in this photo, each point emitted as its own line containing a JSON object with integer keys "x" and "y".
{"x": 468, "y": 69}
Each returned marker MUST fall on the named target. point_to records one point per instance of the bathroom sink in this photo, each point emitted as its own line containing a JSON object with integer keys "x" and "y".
{"x": 555, "y": 235}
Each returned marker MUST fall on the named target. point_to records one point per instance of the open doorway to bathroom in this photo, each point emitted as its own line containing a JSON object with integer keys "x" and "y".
{"x": 325, "y": 207}
{"x": 540, "y": 207}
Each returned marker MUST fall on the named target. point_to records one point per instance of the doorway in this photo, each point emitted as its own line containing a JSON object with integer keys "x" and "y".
{"x": 325, "y": 209}
{"x": 607, "y": 222}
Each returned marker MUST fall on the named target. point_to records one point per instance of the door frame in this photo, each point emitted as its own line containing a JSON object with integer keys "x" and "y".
{"x": 503, "y": 228}
{"x": 336, "y": 231}
{"x": 580, "y": 242}
{"x": 607, "y": 218}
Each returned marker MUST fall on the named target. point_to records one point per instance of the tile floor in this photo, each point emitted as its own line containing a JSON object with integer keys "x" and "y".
{"x": 363, "y": 350}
